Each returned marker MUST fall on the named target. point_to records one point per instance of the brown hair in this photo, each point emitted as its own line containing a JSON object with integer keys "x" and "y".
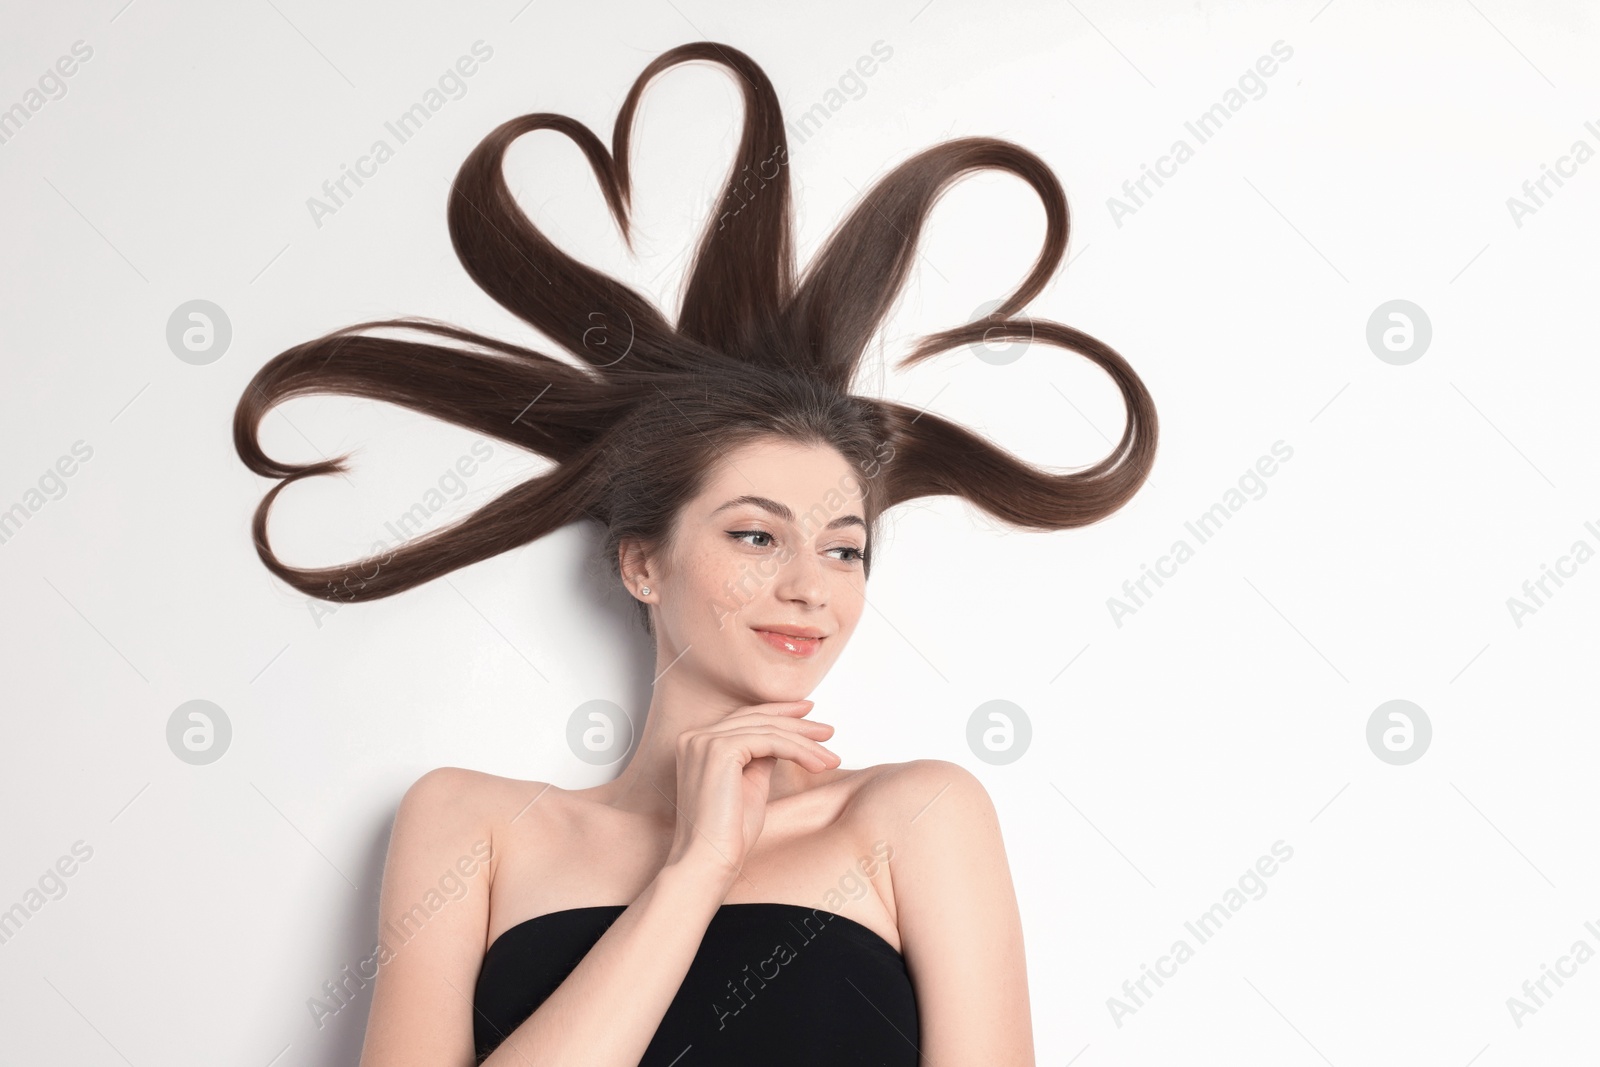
{"x": 755, "y": 353}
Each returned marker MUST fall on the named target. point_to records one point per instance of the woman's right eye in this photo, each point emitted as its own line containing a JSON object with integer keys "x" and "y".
{"x": 739, "y": 535}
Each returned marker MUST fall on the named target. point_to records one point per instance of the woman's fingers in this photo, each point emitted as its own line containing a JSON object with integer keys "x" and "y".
{"x": 777, "y": 722}
{"x": 752, "y": 744}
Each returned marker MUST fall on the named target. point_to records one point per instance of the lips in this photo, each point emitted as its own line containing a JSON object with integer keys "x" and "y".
{"x": 798, "y": 641}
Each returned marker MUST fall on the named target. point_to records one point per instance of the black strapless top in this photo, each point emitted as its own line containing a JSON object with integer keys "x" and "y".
{"x": 771, "y": 984}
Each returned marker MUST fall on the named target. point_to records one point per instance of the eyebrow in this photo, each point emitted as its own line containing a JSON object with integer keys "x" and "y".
{"x": 782, "y": 511}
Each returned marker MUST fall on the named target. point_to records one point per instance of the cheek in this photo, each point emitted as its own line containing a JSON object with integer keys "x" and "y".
{"x": 850, "y": 594}
{"x": 710, "y": 595}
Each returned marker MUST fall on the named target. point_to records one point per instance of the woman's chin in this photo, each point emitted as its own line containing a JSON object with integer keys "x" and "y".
{"x": 779, "y": 694}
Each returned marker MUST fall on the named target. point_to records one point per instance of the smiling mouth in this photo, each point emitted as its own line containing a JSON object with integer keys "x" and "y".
{"x": 791, "y": 645}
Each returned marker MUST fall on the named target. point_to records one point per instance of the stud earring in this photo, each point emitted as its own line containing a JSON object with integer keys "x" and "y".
{"x": 644, "y": 590}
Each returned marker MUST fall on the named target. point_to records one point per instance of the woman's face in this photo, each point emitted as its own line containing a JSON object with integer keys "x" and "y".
{"x": 768, "y": 553}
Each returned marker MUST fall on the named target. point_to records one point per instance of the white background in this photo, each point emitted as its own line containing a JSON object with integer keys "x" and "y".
{"x": 1228, "y": 713}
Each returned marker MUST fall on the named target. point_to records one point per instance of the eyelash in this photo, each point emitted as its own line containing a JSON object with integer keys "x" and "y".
{"x": 740, "y": 534}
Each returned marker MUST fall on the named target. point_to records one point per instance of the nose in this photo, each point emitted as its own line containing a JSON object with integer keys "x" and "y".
{"x": 800, "y": 579}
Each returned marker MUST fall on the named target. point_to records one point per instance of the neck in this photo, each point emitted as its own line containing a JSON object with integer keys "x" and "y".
{"x": 683, "y": 700}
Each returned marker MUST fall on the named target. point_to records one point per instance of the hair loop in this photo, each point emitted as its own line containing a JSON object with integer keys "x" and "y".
{"x": 634, "y": 428}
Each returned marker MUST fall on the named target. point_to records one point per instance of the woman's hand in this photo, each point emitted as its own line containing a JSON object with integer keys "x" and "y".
{"x": 724, "y": 773}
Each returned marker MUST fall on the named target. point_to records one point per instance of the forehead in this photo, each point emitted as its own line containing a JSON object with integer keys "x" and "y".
{"x": 788, "y": 472}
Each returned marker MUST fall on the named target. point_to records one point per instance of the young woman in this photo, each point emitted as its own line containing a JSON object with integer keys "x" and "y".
{"x": 734, "y": 895}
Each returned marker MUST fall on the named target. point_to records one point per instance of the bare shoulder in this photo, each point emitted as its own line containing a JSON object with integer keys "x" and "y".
{"x": 956, "y": 910}
{"x": 899, "y": 795}
{"x": 466, "y": 786}
{"x": 433, "y": 913}
{"x": 927, "y": 814}
{"x": 453, "y": 795}
{"x": 458, "y": 802}
{"x": 493, "y": 798}
{"x": 942, "y": 834}
{"x": 453, "y": 787}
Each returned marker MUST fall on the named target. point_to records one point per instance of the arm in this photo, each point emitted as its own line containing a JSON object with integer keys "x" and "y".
{"x": 428, "y": 960}
{"x": 607, "y": 1010}
{"x": 960, "y": 929}
{"x": 604, "y": 1013}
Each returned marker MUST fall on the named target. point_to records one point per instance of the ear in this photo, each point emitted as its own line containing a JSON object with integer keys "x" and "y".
{"x": 637, "y": 565}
